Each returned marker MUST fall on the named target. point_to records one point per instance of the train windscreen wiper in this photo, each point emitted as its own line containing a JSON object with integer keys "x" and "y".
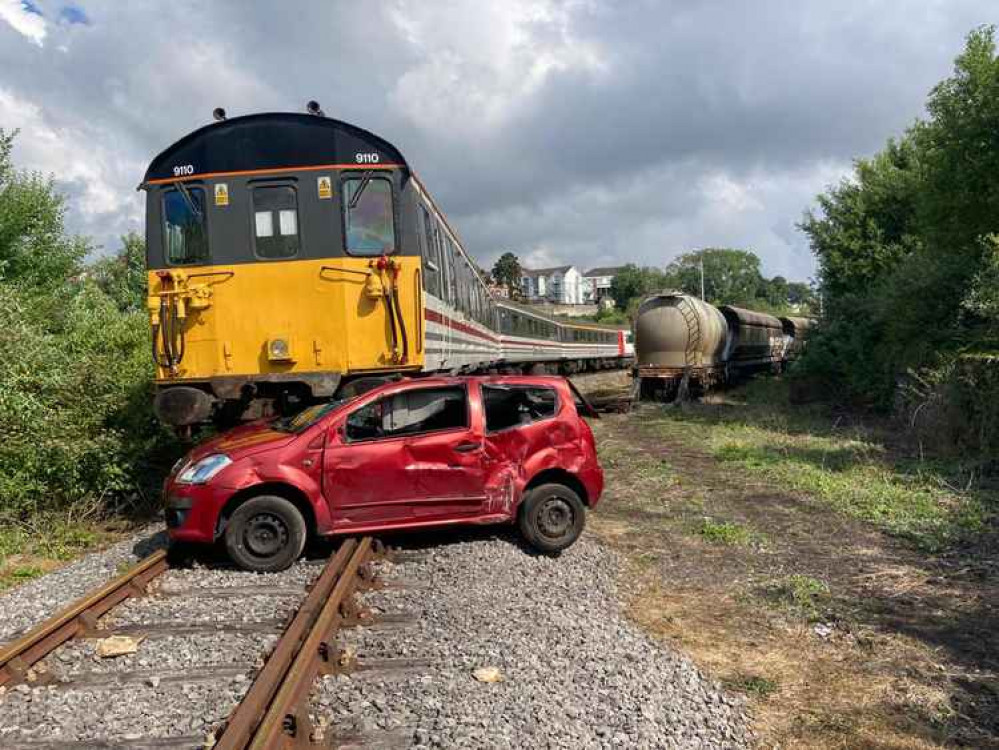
{"x": 182, "y": 189}
{"x": 365, "y": 179}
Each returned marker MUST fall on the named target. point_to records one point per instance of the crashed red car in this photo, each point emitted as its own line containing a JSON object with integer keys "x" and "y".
{"x": 404, "y": 455}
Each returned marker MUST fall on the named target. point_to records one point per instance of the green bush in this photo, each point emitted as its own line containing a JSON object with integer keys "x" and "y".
{"x": 75, "y": 370}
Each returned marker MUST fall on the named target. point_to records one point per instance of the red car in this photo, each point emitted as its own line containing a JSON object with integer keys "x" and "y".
{"x": 404, "y": 455}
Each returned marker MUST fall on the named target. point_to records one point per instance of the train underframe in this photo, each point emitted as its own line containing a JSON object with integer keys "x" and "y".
{"x": 678, "y": 383}
{"x": 227, "y": 401}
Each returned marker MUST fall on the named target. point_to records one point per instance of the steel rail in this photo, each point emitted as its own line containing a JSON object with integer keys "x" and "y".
{"x": 17, "y": 658}
{"x": 274, "y": 714}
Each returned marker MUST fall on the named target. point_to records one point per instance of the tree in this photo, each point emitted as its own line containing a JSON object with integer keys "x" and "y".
{"x": 507, "y": 271}
{"x": 34, "y": 251}
{"x": 123, "y": 276}
{"x": 632, "y": 282}
{"x": 731, "y": 277}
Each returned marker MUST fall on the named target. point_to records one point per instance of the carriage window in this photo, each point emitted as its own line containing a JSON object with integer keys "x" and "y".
{"x": 185, "y": 236}
{"x": 368, "y": 215}
{"x": 275, "y": 221}
{"x": 410, "y": 413}
{"x": 431, "y": 271}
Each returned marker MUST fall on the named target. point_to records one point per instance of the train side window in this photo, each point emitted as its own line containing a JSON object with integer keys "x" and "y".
{"x": 368, "y": 216}
{"x": 275, "y": 222}
{"x": 431, "y": 271}
{"x": 184, "y": 226}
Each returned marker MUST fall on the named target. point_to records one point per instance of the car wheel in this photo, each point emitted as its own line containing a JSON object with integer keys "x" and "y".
{"x": 265, "y": 534}
{"x": 552, "y": 517}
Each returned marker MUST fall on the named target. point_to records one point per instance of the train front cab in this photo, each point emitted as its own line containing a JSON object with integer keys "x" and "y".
{"x": 271, "y": 283}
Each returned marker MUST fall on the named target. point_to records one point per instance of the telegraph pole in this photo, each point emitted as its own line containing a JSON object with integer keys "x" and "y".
{"x": 702, "y": 280}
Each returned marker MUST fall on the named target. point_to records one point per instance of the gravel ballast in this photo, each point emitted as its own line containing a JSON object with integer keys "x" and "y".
{"x": 32, "y": 602}
{"x": 576, "y": 673}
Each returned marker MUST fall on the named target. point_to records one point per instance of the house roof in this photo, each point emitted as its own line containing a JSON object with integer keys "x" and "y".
{"x": 606, "y": 271}
{"x": 544, "y": 271}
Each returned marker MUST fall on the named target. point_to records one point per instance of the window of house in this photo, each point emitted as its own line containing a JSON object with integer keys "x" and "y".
{"x": 511, "y": 406}
{"x": 368, "y": 215}
{"x": 275, "y": 222}
{"x": 185, "y": 234}
{"x": 412, "y": 412}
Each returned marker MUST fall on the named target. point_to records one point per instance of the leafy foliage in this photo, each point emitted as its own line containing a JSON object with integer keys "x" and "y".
{"x": 731, "y": 277}
{"x": 507, "y": 270}
{"x": 75, "y": 370}
{"x": 906, "y": 248}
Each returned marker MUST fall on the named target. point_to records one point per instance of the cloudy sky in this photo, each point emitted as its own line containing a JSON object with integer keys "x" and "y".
{"x": 592, "y": 132}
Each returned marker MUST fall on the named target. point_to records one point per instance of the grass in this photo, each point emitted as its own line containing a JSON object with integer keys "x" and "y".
{"x": 849, "y": 467}
{"x": 801, "y": 594}
{"x": 28, "y": 551}
{"x": 754, "y": 684}
{"x": 727, "y": 532}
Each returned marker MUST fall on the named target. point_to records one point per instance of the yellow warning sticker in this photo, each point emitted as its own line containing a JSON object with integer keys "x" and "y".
{"x": 325, "y": 187}
{"x": 221, "y": 194}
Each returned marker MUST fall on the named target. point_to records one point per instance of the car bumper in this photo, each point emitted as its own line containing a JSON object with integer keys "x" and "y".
{"x": 192, "y": 511}
{"x": 593, "y": 480}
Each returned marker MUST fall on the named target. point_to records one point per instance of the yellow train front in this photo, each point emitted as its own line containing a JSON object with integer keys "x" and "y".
{"x": 277, "y": 265}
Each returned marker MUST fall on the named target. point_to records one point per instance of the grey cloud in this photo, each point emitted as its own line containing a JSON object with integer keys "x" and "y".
{"x": 585, "y": 132}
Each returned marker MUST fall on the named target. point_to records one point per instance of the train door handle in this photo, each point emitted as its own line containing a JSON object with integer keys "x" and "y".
{"x": 467, "y": 447}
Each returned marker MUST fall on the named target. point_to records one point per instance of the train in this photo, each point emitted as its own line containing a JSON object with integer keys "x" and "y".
{"x": 295, "y": 258}
{"x": 685, "y": 344}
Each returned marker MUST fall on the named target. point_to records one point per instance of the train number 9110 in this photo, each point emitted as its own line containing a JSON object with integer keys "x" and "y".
{"x": 366, "y": 158}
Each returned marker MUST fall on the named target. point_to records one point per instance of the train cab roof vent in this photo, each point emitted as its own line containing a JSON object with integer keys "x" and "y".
{"x": 313, "y": 108}
{"x": 219, "y": 114}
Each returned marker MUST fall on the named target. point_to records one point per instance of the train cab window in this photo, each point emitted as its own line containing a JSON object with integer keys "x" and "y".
{"x": 275, "y": 222}
{"x": 185, "y": 237}
{"x": 368, "y": 216}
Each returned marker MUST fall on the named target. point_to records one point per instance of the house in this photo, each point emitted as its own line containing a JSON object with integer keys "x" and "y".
{"x": 597, "y": 283}
{"x": 562, "y": 285}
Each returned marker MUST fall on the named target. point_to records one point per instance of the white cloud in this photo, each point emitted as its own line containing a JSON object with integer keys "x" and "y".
{"x": 25, "y": 22}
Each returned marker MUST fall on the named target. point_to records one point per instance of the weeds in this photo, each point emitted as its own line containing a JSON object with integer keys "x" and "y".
{"x": 798, "y": 593}
{"x": 726, "y": 532}
{"x": 756, "y": 685}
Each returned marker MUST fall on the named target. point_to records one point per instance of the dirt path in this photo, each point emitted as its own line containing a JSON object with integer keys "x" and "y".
{"x": 846, "y": 637}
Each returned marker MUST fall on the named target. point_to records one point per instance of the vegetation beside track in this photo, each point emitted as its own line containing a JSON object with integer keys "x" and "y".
{"x": 801, "y": 556}
{"x": 80, "y": 448}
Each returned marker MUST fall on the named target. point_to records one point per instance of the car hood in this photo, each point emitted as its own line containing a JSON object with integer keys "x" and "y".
{"x": 243, "y": 441}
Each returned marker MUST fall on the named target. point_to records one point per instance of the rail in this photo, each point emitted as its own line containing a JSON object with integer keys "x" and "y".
{"x": 17, "y": 658}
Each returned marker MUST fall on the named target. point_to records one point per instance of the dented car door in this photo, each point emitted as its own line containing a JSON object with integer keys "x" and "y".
{"x": 412, "y": 455}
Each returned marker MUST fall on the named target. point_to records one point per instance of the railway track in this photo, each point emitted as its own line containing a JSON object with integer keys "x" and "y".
{"x": 272, "y": 713}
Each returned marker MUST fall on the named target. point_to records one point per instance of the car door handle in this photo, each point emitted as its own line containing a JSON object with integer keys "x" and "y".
{"x": 467, "y": 447}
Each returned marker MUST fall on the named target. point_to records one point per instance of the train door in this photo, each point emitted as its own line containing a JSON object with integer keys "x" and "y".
{"x": 447, "y": 300}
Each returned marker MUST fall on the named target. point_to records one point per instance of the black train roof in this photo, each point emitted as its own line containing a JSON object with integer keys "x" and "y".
{"x": 271, "y": 140}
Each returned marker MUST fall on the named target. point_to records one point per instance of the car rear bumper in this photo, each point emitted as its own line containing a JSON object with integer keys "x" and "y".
{"x": 593, "y": 480}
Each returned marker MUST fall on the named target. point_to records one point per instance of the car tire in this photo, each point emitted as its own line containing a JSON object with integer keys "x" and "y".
{"x": 551, "y": 517}
{"x": 265, "y": 534}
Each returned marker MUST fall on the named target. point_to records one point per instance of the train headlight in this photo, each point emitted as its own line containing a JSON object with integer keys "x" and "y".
{"x": 278, "y": 350}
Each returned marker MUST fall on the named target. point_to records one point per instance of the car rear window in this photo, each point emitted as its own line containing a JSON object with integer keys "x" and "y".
{"x": 512, "y": 405}
{"x": 410, "y": 413}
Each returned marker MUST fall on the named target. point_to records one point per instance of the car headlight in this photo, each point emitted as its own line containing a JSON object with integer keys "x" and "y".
{"x": 177, "y": 466}
{"x": 204, "y": 469}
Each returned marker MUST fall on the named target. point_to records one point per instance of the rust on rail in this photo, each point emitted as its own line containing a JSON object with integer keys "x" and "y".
{"x": 274, "y": 713}
{"x": 17, "y": 658}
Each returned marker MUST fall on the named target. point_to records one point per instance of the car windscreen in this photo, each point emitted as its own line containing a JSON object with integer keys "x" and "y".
{"x": 307, "y": 417}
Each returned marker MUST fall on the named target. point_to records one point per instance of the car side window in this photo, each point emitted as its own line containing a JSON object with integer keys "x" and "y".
{"x": 514, "y": 405}
{"x": 412, "y": 412}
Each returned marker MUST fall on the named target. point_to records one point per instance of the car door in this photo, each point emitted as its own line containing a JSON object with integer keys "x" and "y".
{"x": 410, "y": 456}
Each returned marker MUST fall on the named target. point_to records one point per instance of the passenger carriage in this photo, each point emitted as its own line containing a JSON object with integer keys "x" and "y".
{"x": 291, "y": 255}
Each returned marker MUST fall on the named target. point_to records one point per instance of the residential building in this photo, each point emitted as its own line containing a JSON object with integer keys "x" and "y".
{"x": 597, "y": 283}
{"x": 562, "y": 285}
